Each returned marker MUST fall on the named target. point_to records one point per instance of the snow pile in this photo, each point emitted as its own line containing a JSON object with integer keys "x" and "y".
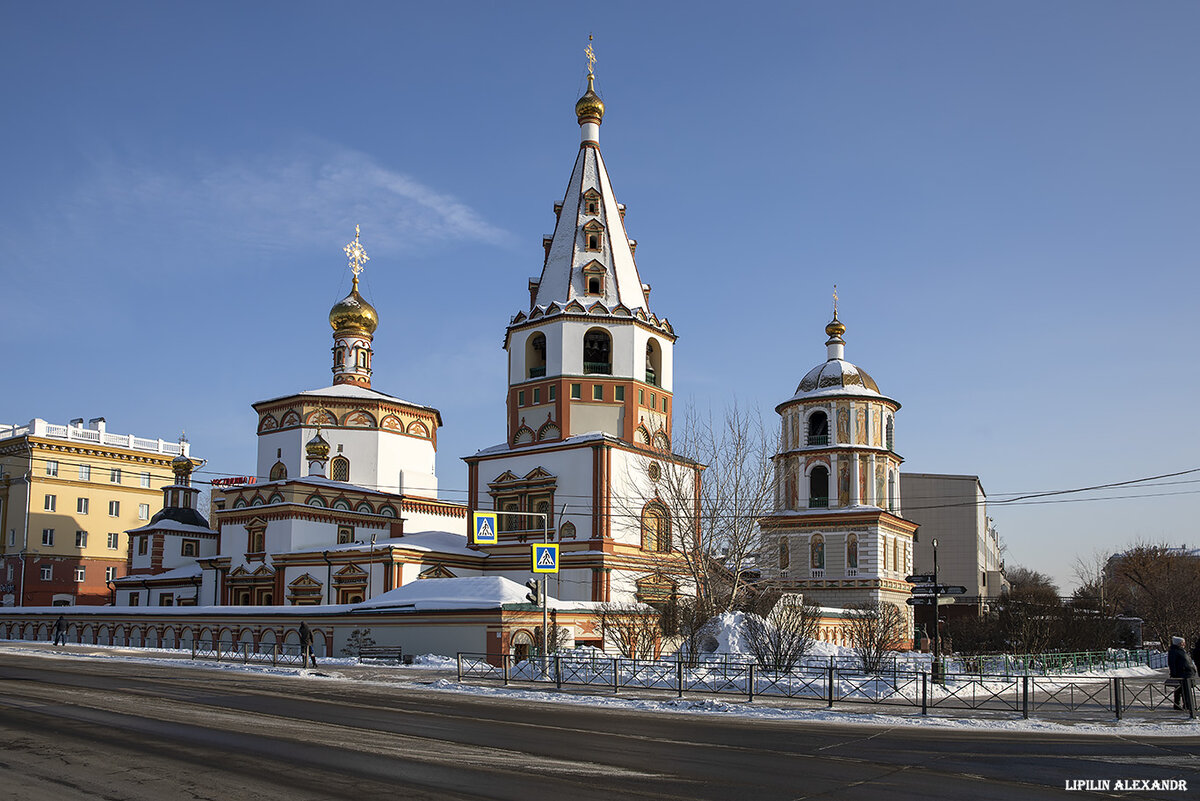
{"x": 728, "y": 629}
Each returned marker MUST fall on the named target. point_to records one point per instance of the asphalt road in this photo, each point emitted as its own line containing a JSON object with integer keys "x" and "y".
{"x": 78, "y": 728}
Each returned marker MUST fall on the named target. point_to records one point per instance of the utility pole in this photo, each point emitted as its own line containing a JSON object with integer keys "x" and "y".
{"x": 937, "y": 657}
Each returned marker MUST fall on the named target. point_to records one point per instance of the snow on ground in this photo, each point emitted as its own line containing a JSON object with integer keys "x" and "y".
{"x": 347, "y": 669}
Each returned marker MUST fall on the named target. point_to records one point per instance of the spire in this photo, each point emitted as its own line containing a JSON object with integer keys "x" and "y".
{"x": 317, "y": 449}
{"x": 835, "y": 346}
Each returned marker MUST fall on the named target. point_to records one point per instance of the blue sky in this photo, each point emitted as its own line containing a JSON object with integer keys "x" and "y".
{"x": 1004, "y": 193}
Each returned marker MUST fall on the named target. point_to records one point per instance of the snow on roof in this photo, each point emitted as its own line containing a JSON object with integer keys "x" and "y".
{"x": 480, "y": 592}
{"x": 171, "y": 525}
{"x": 504, "y": 447}
{"x": 351, "y": 391}
{"x": 187, "y": 571}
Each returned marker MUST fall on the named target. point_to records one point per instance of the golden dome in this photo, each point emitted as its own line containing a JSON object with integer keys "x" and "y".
{"x": 317, "y": 448}
{"x": 182, "y": 467}
{"x": 589, "y": 108}
{"x": 353, "y": 312}
{"x": 835, "y": 328}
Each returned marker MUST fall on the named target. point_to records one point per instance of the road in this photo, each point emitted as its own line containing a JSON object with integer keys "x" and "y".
{"x": 79, "y": 728}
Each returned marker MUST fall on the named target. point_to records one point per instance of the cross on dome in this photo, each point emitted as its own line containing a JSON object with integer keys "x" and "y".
{"x": 357, "y": 255}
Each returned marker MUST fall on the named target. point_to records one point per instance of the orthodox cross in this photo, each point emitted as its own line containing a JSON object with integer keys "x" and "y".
{"x": 358, "y": 257}
{"x": 591, "y": 56}
{"x": 835, "y": 299}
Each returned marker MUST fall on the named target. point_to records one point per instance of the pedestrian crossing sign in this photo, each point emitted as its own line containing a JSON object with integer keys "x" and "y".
{"x": 545, "y": 558}
{"x": 485, "y": 528}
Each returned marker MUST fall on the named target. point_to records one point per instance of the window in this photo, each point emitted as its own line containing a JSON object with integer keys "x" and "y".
{"x": 146, "y": 480}
{"x": 143, "y": 511}
{"x": 891, "y": 434}
{"x": 189, "y": 547}
{"x": 642, "y": 397}
{"x": 653, "y": 361}
{"x": 656, "y": 528}
{"x": 166, "y": 599}
{"x": 256, "y": 541}
{"x": 852, "y": 552}
{"x": 576, "y": 391}
{"x": 664, "y": 405}
{"x": 341, "y": 469}
{"x": 594, "y": 285}
{"x": 114, "y": 475}
{"x": 537, "y": 395}
{"x": 134, "y": 599}
{"x": 278, "y": 472}
{"x": 52, "y": 468}
{"x": 80, "y": 539}
{"x": 114, "y": 508}
{"x": 653, "y": 400}
{"x": 85, "y": 472}
{"x": 597, "y": 352}
{"x": 535, "y": 355}
{"x": 785, "y": 555}
{"x": 597, "y": 392}
{"x": 81, "y": 506}
{"x": 520, "y": 397}
{"x": 143, "y": 546}
{"x": 818, "y": 488}
{"x": 110, "y": 573}
{"x": 51, "y": 503}
{"x": 80, "y": 572}
{"x": 47, "y": 536}
{"x": 113, "y": 540}
{"x": 550, "y": 393}
{"x": 46, "y": 574}
{"x": 345, "y": 535}
{"x": 619, "y": 393}
{"x": 818, "y": 429}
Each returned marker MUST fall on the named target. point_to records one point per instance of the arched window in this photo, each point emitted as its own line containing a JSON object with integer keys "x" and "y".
{"x": 817, "y": 548}
{"x": 891, "y": 495}
{"x": 567, "y": 532}
{"x": 653, "y": 363}
{"x": 656, "y": 528}
{"x": 818, "y": 487}
{"x": 279, "y": 471}
{"x": 785, "y": 556}
{"x": 594, "y": 286}
{"x": 890, "y": 433}
{"x": 597, "y": 352}
{"x": 852, "y": 552}
{"x": 535, "y": 355}
{"x": 818, "y": 429}
{"x": 895, "y": 554}
{"x": 341, "y": 469}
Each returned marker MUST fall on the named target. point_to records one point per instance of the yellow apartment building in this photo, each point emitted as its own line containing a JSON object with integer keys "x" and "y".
{"x": 68, "y": 493}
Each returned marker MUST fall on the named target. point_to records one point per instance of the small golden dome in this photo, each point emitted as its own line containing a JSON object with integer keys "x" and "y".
{"x": 835, "y": 327}
{"x": 317, "y": 447}
{"x": 182, "y": 467}
{"x": 589, "y": 108}
{"x": 353, "y": 312}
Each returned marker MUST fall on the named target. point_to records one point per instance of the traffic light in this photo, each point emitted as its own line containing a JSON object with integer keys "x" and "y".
{"x": 534, "y": 596}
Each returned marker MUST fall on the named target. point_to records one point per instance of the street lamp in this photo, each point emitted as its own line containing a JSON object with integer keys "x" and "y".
{"x": 937, "y": 662}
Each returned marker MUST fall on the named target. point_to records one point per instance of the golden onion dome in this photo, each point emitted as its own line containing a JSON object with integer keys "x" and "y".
{"x": 835, "y": 328}
{"x": 181, "y": 466}
{"x": 589, "y": 108}
{"x": 353, "y": 312}
{"x": 317, "y": 447}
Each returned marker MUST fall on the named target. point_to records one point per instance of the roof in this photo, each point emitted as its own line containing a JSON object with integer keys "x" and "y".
{"x": 479, "y": 592}
{"x": 185, "y": 572}
{"x": 351, "y": 391}
{"x": 156, "y": 524}
{"x": 562, "y": 278}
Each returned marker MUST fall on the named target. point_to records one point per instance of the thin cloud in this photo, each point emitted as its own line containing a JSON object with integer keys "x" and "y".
{"x": 304, "y": 199}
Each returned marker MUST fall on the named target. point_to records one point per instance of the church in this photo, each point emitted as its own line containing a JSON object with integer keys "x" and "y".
{"x": 344, "y": 505}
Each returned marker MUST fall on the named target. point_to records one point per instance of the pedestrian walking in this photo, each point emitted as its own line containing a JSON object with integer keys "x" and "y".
{"x": 306, "y": 645}
{"x": 1183, "y": 673}
{"x": 60, "y": 631}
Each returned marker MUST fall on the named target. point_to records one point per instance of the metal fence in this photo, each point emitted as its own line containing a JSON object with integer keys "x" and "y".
{"x": 833, "y": 684}
{"x": 230, "y": 651}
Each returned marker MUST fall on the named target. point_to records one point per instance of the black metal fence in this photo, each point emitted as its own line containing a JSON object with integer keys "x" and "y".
{"x": 834, "y": 684}
{"x": 231, "y": 651}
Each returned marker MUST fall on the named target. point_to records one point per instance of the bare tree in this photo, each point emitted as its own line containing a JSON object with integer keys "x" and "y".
{"x": 785, "y": 634}
{"x": 714, "y": 516}
{"x": 1158, "y": 583}
{"x": 634, "y": 629}
{"x": 872, "y": 630}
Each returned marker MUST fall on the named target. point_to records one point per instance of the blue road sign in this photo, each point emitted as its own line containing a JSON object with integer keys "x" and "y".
{"x": 545, "y": 558}
{"x": 485, "y": 528}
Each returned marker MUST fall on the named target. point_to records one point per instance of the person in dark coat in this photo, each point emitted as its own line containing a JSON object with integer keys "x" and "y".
{"x": 1196, "y": 652}
{"x": 60, "y": 631}
{"x": 1183, "y": 671}
{"x": 306, "y": 645}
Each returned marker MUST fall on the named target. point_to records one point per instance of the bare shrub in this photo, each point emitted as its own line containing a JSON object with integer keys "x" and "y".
{"x": 873, "y": 630}
{"x": 785, "y": 634}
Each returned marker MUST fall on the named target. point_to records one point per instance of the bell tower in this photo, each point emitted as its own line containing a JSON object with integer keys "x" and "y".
{"x": 589, "y": 355}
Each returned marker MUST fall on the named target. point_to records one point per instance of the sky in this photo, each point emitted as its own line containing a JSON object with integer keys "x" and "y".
{"x": 1005, "y": 195}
